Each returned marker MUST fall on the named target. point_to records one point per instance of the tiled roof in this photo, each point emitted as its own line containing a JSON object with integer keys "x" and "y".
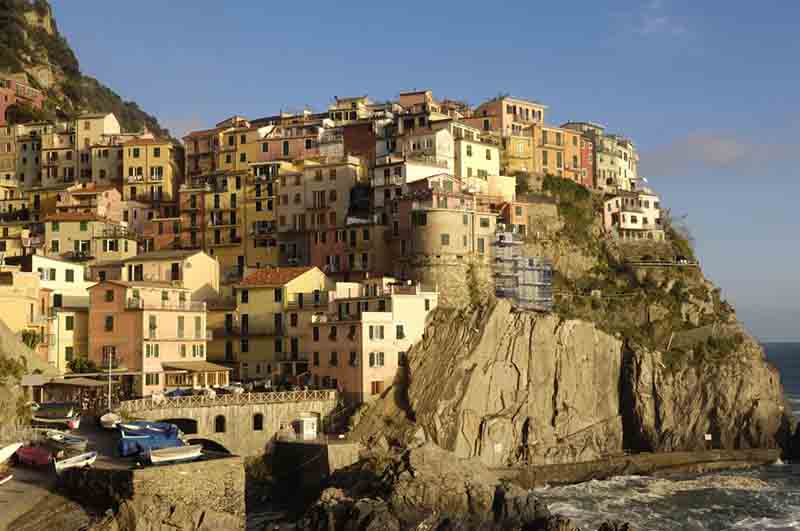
{"x": 274, "y": 276}
{"x": 142, "y": 284}
{"x": 76, "y": 216}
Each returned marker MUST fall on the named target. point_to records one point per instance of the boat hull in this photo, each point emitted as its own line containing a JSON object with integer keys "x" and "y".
{"x": 7, "y": 451}
{"x": 175, "y": 455}
{"x": 79, "y": 461}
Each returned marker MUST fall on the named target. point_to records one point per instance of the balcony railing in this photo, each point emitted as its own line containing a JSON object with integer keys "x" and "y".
{"x": 293, "y": 356}
{"x": 188, "y": 306}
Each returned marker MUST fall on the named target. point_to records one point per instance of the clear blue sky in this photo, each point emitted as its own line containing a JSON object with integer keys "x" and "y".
{"x": 710, "y": 92}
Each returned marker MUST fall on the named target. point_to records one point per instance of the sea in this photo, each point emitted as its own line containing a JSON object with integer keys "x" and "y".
{"x": 765, "y": 498}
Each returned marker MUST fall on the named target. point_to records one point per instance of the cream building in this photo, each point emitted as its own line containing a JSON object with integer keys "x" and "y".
{"x": 361, "y": 343}
{"x": 634, "y": 216}
{"x": 191, "y": 269}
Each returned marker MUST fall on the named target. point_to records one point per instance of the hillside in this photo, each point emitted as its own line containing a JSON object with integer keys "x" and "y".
{"x": 30, "y": 43}
{"x": 639, "y": 354}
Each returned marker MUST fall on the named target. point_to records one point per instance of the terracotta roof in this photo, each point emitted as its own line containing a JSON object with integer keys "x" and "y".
{"x": 204, "y": 132}
{"x": 274, "y": 276}
{"x": 141, "y": 284}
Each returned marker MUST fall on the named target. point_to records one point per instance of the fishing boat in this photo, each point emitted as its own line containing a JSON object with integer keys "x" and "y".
{"x": 66, "y": 441}
{"x": 4, "y": 478}
{"x": 136, "y": 438}
{"x": 110, "y": 420}
{"x": 175, "y": 455}
{"x": 61, "y": 414}
{"x": 79, "y": 461}
{"x": 7, "y": 451}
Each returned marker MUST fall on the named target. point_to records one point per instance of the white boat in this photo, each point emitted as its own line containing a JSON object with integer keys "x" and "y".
{"x": 110, "y": 420}
{"x": 175, "y": 455}
{"x": 79, "y": 461}
{"x": 5, "y": 478}
{"x": 67, "y": 440}
{"x": 7, "y": 451}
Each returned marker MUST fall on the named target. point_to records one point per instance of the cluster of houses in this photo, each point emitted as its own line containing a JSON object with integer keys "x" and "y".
{"x": 282, "y": 248}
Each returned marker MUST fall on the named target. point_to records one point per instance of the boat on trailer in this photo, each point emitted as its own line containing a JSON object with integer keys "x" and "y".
{"x": 79, "y": 461}
{"x": 178, "y": 454}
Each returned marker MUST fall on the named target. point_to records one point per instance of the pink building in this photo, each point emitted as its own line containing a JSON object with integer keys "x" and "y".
{"x": 361, "y": 344}
{"x": 153, "y": 334}
{"x": 103, "y": 201}
{"x": 352, "y": 252}
{"x": 13, "y": 92}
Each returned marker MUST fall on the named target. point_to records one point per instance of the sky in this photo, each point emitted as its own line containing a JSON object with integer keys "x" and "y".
{"x": 709, "y": 92}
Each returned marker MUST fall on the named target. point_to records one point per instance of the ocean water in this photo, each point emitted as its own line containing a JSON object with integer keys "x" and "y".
{"x": 766, "y": 498}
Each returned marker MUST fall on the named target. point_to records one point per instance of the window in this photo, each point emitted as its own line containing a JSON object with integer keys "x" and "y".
{"x": 245, "y": 345}
{"x": 544, "y": 158}
{"x": 69, "y": 323}
{"x": 151, "y": 378}
{"x": 315, "y": 333}
{"x": 109, "y": 325}
{"x": 181, "y": 320}
{"x": 151, "y": 350}
{"x": 278, "y": 295}
{"x": 258, "y": 422}
{"x": 488, "y": 154}
{"x": 353, "y": 359}
{"x": 70, "y": 275}
{"x": 198, "y": 327}
{"x": 316, "y": 359}
{"x": 293, "y": 319}
{"x": 376, "y": 332}
{"x": 445, "y": 240}
{"x": 376, "y": 359}
{"x": 219, "y": 424}
{"x": 109, "y": 295}
{"x": 246, "y": 324}
{"x": 152, "y": 325}
{"x": 69, "y": 353}
{"x": 400, "y": 332}
{"x": 183, "y": 351}
{"x": 245, "y": 296}
{"x": 469, "y": 150}
{"x": 402, "y": 359}
{"x": 54, "y": 226}
{"x": 84, "y": 226}
{"x": 427, "y": 305}
{"x": 334, "y": 359}
{"x": 54, "y": 247}
{"x": 480, "y": 246}
{"x": 485, "y": 223}
{"x": 157, "y": 152}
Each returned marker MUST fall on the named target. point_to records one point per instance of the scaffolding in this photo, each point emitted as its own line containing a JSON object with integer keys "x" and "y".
{"x": 526, "y": 281}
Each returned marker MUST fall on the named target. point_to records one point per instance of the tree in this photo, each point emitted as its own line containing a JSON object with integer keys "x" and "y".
{"x": 31, "y": 339}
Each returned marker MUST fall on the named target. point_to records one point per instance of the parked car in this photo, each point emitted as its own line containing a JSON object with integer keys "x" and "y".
{"x": 34, "y": 455}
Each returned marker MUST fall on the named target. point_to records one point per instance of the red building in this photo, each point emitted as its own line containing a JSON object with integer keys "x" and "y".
{"x": 13, "y": 92}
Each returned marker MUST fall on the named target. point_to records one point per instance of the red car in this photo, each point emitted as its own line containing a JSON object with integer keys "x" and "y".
{"x": 34, "y": 456}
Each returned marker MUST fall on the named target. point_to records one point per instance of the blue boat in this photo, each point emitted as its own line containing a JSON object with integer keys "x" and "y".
{"x": 138, "y": 438}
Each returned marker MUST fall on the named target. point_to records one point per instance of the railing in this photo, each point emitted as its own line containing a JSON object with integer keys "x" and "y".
{"x": 293, "y": 356}
{"x": 189, "y": 306}
{"x": 274, "y": 397}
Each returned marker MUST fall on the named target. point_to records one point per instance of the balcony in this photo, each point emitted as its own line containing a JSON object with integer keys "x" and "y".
{"x": 292, "y": 356}
{"x": 187, "y": 306}
{"x": 135, "y": 178}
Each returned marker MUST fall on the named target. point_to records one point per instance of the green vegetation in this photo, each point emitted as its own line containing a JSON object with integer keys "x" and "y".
{"x": 11, "y": 368}
{"x": 576, "y": 206}
{"x": 82, "y": 364}
{"x": 24, "y": 46}
{"x": 31, "y": 339}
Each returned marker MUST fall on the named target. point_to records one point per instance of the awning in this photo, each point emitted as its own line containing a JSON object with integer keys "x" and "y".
{"x": 34, "y": 380}
{"x": 78, "y": 382}
{"x": 195, "y": 366}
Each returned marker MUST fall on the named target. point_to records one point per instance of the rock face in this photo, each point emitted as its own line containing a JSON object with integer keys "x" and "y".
{"x": 512, "y": 388}
{"x": 428, "y": 488}
{"x": 739, "y": 403}
{"x": 144, "y": 513}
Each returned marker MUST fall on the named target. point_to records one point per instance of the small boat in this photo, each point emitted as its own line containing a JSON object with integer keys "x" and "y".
{"x": 175, "y": 455}
{"x": 66, "y": 440}
{"x": 110, "y": 420}
{"x": 5, "y": 478}
{"x": 79, "y": 461}
{"x": 7, "y": 451}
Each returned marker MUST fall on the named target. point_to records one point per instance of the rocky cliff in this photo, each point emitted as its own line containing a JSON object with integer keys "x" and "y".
{"x": 31, "y": 45}
{"x": 634, "y": 357}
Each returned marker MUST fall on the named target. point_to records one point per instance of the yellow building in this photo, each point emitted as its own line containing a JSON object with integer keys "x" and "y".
{"x": 89, "y": 130}
{"x": 261, "y": 333}
{"x": 87, "y": 237}
{"x": 559, "y": 152}
{"x": 8, "y": 153}
{"x": 58, "y": 158}
{"x": 151, "y": 170}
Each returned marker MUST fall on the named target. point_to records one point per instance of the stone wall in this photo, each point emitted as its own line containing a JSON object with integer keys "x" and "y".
{"x": 239, "y": 436}
{"x": 458, "y": 280}
{"x": 178, "y": 496}
{"x": 304, "y": 466}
